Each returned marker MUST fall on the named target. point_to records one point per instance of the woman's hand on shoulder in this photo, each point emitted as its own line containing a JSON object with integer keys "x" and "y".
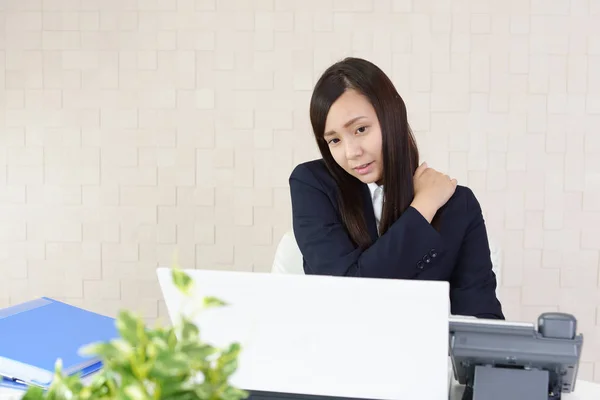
{"x": 432, "y": 190}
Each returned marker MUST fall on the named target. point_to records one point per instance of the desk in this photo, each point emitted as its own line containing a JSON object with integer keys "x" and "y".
{"x": 583, "y": 391}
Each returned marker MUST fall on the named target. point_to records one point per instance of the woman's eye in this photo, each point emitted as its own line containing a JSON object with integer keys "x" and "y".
{"x": 362, "y": 129}
{"x": 333, "y": 141}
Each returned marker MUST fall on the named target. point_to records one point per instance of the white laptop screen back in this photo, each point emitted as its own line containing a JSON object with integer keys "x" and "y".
{"x": 329, "y": 336}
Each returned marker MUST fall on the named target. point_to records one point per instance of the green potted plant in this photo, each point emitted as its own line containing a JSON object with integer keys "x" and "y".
{"x": 153, "y": 363}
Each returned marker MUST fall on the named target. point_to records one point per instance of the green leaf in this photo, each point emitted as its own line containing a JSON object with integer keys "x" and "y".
{"x": 227, "y": 362}
{"x": 233, "y": 393}
{"x": 204, "y": 391}
{"x": 113, "y": 350}
{"x": 172, "y": 340}
{"x": 158, "y": 334}
{"x": 59, "y": 389}
{"x": 198, "y": 351}
{"x": 228, "y": 368}
{"x": 34, "y": 393}
{"x": 135, "y": 391}
{"x": 232, "y": 351}
{"x": 181, "y": 280}
{"x": 177, "y": 389}
{"x": 73, "y": 382}
{"x": 104, "y": 384}
{"x": 189, "y": 330}
{"x": 58, "y": 366}
{"x": 163, "y": 339}
{"x": 210, "y": 301}
{"x": 168, "y": 364}
{"x": 117, "y": 354}
{"x": 131, "y": 328}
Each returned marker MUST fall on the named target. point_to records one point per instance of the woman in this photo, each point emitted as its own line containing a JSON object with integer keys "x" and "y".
{"x": 368, "y": 209}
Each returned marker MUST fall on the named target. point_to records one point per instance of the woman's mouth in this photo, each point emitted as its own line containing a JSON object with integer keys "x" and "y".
{"x": 364, "y": 168}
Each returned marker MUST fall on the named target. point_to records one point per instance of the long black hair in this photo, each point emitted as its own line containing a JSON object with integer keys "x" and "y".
{"x": 399, "y": 148}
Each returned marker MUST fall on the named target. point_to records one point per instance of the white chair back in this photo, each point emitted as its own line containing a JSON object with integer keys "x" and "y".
{"x": 288, "y": 258}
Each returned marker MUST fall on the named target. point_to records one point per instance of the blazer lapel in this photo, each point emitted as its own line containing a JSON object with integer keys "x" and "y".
{"x": 369, "y": 213}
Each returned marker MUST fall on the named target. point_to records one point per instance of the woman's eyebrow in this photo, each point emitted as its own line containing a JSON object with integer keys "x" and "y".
{"x": 347, "y": 124}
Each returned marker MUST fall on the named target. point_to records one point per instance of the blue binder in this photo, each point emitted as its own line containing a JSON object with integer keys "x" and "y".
{"x": 33, "y": 335}
{"x": 12, "y": 384}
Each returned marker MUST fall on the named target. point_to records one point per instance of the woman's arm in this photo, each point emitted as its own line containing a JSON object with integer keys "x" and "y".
{"x": 473, "y": 283}
{"x": 328, "y": 250}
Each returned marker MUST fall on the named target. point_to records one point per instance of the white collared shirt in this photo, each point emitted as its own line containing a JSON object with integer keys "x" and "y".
{"x": 377, "y": 199}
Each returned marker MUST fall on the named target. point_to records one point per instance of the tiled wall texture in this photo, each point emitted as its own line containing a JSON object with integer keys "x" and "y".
{"x": 131, "y": 128}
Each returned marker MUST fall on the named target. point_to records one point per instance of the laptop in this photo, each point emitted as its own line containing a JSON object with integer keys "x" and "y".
{"x": 324, "y": 337}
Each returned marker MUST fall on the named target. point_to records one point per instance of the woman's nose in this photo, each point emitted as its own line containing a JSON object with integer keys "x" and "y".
{"x": 353, "y": 149}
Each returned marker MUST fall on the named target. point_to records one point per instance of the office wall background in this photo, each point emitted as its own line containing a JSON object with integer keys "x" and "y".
{"x": 132, "y": 128}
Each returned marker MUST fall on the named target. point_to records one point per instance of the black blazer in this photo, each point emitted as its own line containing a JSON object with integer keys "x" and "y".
{"x": 411, "y": 249}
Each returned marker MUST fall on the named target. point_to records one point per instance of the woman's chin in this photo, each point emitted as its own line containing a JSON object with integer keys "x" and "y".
{"x": 367, "y": 178}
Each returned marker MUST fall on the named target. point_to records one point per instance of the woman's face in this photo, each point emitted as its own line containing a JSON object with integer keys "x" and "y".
{"x": 353, "y": 135}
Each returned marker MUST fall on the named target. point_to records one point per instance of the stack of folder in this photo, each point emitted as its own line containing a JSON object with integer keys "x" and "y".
{"x": 33, "y": 335}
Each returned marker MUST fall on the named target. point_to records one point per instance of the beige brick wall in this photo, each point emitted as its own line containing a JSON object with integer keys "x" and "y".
{"x": 130, "y": 128}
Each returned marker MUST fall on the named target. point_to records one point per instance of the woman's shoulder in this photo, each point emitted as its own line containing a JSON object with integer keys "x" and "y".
{"x": 308, "y": 168}
{"x": 313, "y": 173}
{"x": 463, "y": 201}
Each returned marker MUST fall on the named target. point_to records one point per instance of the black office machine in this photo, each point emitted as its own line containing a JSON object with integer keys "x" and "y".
{"x": 517, "y": 361}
